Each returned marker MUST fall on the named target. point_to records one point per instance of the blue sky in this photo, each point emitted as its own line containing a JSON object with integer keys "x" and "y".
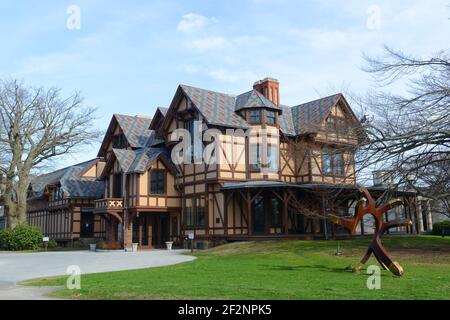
{"x": 128, "y": 57}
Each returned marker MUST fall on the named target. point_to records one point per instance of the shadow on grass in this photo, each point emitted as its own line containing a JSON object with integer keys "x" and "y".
{"x": 298, "y": 268}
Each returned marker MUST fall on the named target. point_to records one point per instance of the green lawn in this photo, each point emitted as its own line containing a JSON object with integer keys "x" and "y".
{"x": 279, "y": 270}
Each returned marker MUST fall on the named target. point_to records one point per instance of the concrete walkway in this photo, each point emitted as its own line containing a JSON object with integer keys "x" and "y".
{"x": 17, "y": 267}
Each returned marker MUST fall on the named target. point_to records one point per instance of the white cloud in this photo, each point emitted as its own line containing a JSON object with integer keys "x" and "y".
{"x": 209, "y": 43}
{"x": 322, "y": 39}
{"x": 192, "y": 22}
{"x": 226, "y": 75}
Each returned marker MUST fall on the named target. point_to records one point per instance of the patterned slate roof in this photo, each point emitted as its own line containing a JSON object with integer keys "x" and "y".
{"x": 138, "y": 161}
{"x": 217, "y": 108}
{"x": 70, "y": 180}
{"x": 309, "y": 116}
{"x": 125, "y": 158}
{"x": 253, "y": 99}
{"x": 135, "y": 128}
{"x": 286, "y": 122}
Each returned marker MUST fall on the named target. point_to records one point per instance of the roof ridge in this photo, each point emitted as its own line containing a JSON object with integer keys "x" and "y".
{"x": 332, "y": 95}
{"x": 213, "y": 91}
{"x": 145, "y": 117}
{"x": 65, "y": 168}
{"x": 246, "y": 92}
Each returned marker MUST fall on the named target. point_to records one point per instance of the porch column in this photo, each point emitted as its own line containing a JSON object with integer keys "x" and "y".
{"x": 225, "y": 212}
{"x": 127, "y": 231}
{"x": 285, "y": 212}
{"x": 110, "y": 231}
{"x": 429, "y": 216}
{"x": 325, "y": 231}
{"x": 249, "y": 211}
{"x": 419, "y": 216}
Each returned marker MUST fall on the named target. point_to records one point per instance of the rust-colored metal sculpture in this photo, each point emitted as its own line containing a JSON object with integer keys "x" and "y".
{"x": 376, "y": 246}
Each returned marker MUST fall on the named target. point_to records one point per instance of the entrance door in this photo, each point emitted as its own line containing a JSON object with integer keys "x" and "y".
{"x": 160, "y": 230}
{"x": 141, "y": 227}
{"x": 87, "y": 223}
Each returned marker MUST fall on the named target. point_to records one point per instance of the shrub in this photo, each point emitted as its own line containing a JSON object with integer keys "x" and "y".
{"x": 439, "y": 226}
{"x": 52, "y": 244}
{"x": 22, "y": 237}
{"x": 5, "y": 239}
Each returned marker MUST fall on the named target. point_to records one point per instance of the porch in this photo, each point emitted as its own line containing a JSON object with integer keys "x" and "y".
{"x": 149, "y": 228}
{"x": 278, "y": 210}
{"x": 111, "y": 210}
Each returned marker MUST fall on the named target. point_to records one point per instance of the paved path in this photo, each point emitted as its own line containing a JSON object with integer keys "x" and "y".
{"x": 17, "y": 267}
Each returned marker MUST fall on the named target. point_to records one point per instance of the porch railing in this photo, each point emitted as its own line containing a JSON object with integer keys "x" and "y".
{"x": 109, "y": 204}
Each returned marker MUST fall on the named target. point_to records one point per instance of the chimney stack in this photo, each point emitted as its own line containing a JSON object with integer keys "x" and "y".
{"x": 270, "y": 88}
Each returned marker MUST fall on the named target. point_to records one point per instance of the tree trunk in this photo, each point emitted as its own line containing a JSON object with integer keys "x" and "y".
{"x": 10, "y": 206}
{"x": 11, "y": 222}
{"x": 22, "y": 190}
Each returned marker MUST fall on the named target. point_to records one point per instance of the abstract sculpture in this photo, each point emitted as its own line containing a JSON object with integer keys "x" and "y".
{"x": 376, "y": 246}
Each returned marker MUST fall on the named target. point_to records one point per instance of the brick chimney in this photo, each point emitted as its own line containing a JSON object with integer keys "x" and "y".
{"x": 270, "y": 88}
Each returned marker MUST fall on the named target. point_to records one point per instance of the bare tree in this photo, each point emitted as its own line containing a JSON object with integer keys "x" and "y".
{"x": 36, "y": 126}
{"x": 409, "y": 132}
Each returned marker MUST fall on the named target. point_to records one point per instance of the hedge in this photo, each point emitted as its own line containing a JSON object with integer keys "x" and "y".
{"x": 22, "y": 237}
{"x": 439, "y": 226}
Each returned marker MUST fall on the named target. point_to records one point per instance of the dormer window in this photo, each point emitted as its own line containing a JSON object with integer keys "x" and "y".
{"x": 119, "y": 141}
{"x": 271, "y": 117}
{"x": 255, "y": 116}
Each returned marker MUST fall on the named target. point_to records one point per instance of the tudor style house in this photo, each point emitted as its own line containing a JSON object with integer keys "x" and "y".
{"x": 296, "y": 164}
{"x": 61, "y": 203}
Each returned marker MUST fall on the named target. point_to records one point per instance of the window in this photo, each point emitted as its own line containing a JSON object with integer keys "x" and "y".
{"x": 272, "y": 157}
{"x": 195, "y": 213}
{"x": 119, "y": 141}
{"x": 271, "y": 117}
{"x": 57, "y": 194}
{"x": 333, "y": 164}
{"x": 117, "y": 185}
{"x": 255, "y": 116}
{"x": 157, "y": 182}
{"x": 200, "y": 215}
{"x": 326, "y": 163}
{"x": 337, "y": 124}
{"x": 189, "y": 213}
{"x": 174, "y": 227}
{"x": 255, "y": 157}
{"x": 338, "y": 164}
{"x": 275, "y": 209}
{"x": 196, "y": 145}
{"x": 331, "y": 122}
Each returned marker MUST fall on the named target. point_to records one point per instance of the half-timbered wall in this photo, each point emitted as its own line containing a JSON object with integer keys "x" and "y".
{"x": 62, "y": 222}
{"x": 142, "y": 196}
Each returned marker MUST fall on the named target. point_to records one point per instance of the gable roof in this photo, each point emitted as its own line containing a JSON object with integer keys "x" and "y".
{"x": 308, "y": 117}
{"x": 220, "y": 109}
{"x": 158, "y": 118}
{"x": 71, "y": 181}
{"x": 253, "y": 99}
{"x": 163, "y": 110}
{"x": 217, "y": 108}
{"x": 138, "y": 161}
{"x": 136, "y": 130}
